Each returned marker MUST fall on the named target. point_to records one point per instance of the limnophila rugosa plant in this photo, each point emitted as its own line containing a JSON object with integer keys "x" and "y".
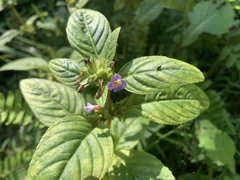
{"x": 94, "y": 138}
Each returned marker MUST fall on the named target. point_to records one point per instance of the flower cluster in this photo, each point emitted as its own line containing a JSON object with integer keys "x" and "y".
{"x": 116, "y": 83}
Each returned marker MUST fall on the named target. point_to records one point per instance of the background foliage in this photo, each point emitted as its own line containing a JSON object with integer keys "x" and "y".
{"x": 205, "y": 34}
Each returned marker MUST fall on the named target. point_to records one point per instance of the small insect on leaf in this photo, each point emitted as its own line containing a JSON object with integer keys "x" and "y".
{"x": 86, "y": 60}
{"x": 158, "y": 66}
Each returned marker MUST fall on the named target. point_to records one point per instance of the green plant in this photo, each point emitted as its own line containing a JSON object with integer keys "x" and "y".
{"x": 202, "y": 33}
{"x": 79, "y": 146}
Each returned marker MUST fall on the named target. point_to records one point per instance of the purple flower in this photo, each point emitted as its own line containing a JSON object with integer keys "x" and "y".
{"x": 116, "y": 83}
{"x": 91, "y": 107}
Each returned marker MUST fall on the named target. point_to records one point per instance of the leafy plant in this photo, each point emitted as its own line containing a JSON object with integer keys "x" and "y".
{"x": 202, "y": 33}
{"x": 79, "y": 146}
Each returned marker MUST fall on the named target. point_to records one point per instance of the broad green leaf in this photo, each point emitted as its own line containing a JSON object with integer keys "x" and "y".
{"x": 206, "y": 17}
{"x": 8, "y": 36}
{"x": 65, "y": 71}
{"x": 87, "y": 32}
{"x": 174, "y": 4}
{"x": 25, "y": 64}
{"x": 110, "y": 46}
{"x": 51, "y": 101}
{"x": 128, "y": 131}
{"x": 74, "y": 5}
{"x": 152, "y": 74}
{"x": 102, "y": 99}
{"x": 148, "y": 11}
{"x": 170, "y": 107}
{"x": 72, "y": 148}
{"x": 218, "y": 146}
{"x": 132, "y": 165}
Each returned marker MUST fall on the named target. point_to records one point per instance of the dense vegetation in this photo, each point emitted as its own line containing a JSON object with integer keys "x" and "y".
{"x": 205, "y": 34}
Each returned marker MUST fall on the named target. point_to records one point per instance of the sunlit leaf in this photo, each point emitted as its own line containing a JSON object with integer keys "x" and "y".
{"x": 132, "y": 165}
{"x": 128, "y": 131}
{"x": 87, "y": 32}
{"x": 170, "y": 107}
{"x": 51, "y": 101}
{"x": 147, "y": 75}
{"x": 72, "y": 148}
{"x": 65, "y": 70}
{"x": 24, "y": 64}
{"x": 219, "y": 147}
{"x": 110, "y": 46}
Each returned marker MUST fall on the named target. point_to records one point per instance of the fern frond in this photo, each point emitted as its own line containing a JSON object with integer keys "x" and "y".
{"x": 14, "y": 110}
{"x": 15, "y": 167}
{"x": 217, "y": 113}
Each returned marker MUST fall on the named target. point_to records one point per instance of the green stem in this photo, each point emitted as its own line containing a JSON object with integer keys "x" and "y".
{"x": 109, "y": 103}
{"x": 109, "y": 109}
{"x": 21, "y": 21}
{"x": 127, "y": 25}
{"x": 130, "y": 100}
{"x": 222, "y": 174}
{"x": 17, "y": 15}
{"x": 106, "y": 8}
{"x": 226, "y": 94}
{"x": 213, "y": 68}
{"x": 183, "y": 27}
{"x": 210, "y": 168}
{"x": 164, "y": 136}
{"x": 51, "y": 53}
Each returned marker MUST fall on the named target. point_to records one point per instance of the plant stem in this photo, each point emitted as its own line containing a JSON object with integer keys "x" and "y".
{"x": 213, "y": 68}
{"x": 127, "y": 24}
{"x": 210, "y": 170}
{"x": 17, "y": 15}
{"x": 106, "y": 8}
{"x": 51, "y": 53}
{"x": 164, "y": 136}
{"x": 21, "y": 21}
{"x": 222, "y": 174}
{"x": 109, "y": 109}
{"x": 108, "y": 123}
{"x": 183, "y": 27}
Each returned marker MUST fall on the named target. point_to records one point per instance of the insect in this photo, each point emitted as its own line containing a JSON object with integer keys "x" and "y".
{"x": 86, "y": 60}
{"x": 158, "y": 66}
